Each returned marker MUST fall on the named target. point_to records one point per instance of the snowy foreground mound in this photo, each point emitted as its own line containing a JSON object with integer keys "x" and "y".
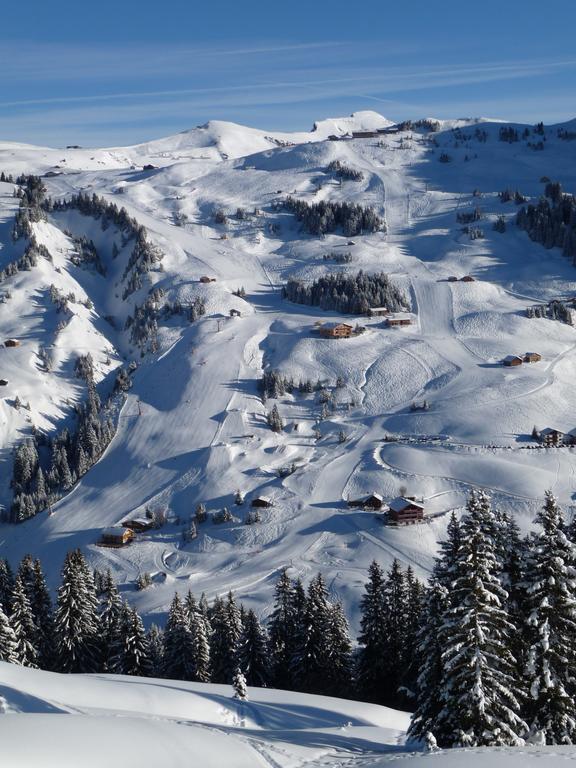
{"x": 73, "y": 720}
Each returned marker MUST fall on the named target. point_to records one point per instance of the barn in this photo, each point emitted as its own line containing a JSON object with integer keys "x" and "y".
{"x": 511, "y": 360}
{"x": 403, "y": 511}
{"x": 372, "y": 501}
{"x": 532, "y": 357}
{"x": 116, "y": 536}
{"x": 399, "y": 320}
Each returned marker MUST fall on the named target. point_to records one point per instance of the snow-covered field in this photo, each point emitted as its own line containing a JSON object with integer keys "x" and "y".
{"x": 67, "y": 720}
{"x": 193, "y": 428}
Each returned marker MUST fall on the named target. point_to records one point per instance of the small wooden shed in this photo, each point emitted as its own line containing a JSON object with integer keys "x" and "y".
{"x": 468, "y": 279}
{"x": 3, "y": 382}
{"x": 261, "y": 501}
{"x": 206, "y": 279}
{"x": 512, "y": 360}
{"x": 379, "y": 311}
{"x": 11, "y": 343}
{"x": 235, "y": 313}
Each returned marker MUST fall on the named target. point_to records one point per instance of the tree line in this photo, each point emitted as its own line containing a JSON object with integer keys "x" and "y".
{"x": 484, "y": 655}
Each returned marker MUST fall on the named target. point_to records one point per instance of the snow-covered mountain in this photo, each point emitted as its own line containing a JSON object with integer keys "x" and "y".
{"x": 193, "y": 425}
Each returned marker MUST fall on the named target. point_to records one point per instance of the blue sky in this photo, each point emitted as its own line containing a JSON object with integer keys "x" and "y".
{"x": 108, "y": 73}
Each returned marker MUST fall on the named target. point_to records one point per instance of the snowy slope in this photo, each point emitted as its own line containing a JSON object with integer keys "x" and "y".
{"x": 193, "y": 426}
{"x": 140, "y": 722}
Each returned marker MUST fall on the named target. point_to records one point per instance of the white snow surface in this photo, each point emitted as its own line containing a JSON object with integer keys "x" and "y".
{"x": 63, "y": 721}
{"x": 193, "y": 427}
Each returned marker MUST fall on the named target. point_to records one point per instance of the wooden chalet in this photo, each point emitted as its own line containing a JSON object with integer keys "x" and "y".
{"x": 336, "y": 330}
{"x": 139, "y": 524}
{"x": 235, "y": 313}
{"x": 11, "y": 343}
{"x": 511, "y": 360}
{"x": 532, "y": 357}
{"x": 404, "y": 511}
{"x": 379, "y": 311}
{"x": 206, "y": 279}
{"x": 261, "y": 501}
{"x": 364, "y": 134}
{"x": 372, "y": 501}
{"x": 468, "y": 279}
{"x": 117, "y": 536}
{"x": 551, "y": 437}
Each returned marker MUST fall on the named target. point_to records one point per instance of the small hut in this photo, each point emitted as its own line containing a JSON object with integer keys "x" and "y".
{"x": 372, "y": 501}
{"x": 11, "y": 343}
{"x": 206, "y": 279}
{"x": 235, "y": 313}
{"x": 139, "y": 524}
{"x": 3, "y": 382}
{"x": 468, "y": 279}
{"x": 261, "y": 501}
{"x": 532, "y": 357}
{"x": 399, "y": 320}
{"x": 379, "y": 311}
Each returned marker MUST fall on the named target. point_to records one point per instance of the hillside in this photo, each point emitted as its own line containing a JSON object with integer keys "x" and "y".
{"x": 193, "y": 425}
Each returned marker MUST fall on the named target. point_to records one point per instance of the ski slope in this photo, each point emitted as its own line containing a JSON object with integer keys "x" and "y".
{"x": 193, "y": 427}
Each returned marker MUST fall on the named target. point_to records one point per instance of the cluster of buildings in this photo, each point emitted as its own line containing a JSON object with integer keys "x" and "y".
{"x": 403, "y": 510}
{"x": 527, "y": 357}
{"x": 335, "y": 330}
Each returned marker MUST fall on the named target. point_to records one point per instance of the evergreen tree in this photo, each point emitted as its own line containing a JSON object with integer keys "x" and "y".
{"x": 23, "y": 625}
{"x": 8, "y": 643}
{"x": 226, "y": 632}
{"x": 42, "y": 613}
{"x": 395, "y": 599}
{"x": 132, "y": 650}
{"x": 178, "y": 645}
{"x": 253, "y": 652}
{"x": 310, "y": 665}
{"x": 481, "y": 700}
{"x": 340, "y": 678}
{"x": 550, "y": 605}
{"x": 281, "y": 633}
{"x": 239, "y": 685}
{"x": 110, "y": 615}
{"x": 371, "y": 667}
{"x": 156, "y": 646}
{"x": 76, "y": 628}
{"x": 431, "y": 673}
{"x": 6, "y": 585}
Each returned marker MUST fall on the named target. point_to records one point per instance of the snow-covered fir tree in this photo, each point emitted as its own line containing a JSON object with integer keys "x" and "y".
{"x": 480, "y": 695}
{"x": 8, "y": 644}
{"x": 76, "y": 626}
{"x": 24, "y": 627}
{"x": 281, "y": 632}
{"x": 253, "y": 652}
{"x": 550, "y": 606}
{"x": 226, "y": 631}
{"x": 239, "y": 686}
{"x": 178, "y": 659}
{"x": 371, "y": 665}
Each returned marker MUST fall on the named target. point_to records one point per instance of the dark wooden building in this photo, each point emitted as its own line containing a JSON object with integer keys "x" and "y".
{"x": 403, "y": 511}
{"x": 261, "y": 501}
{"x": 372, "y": 501}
